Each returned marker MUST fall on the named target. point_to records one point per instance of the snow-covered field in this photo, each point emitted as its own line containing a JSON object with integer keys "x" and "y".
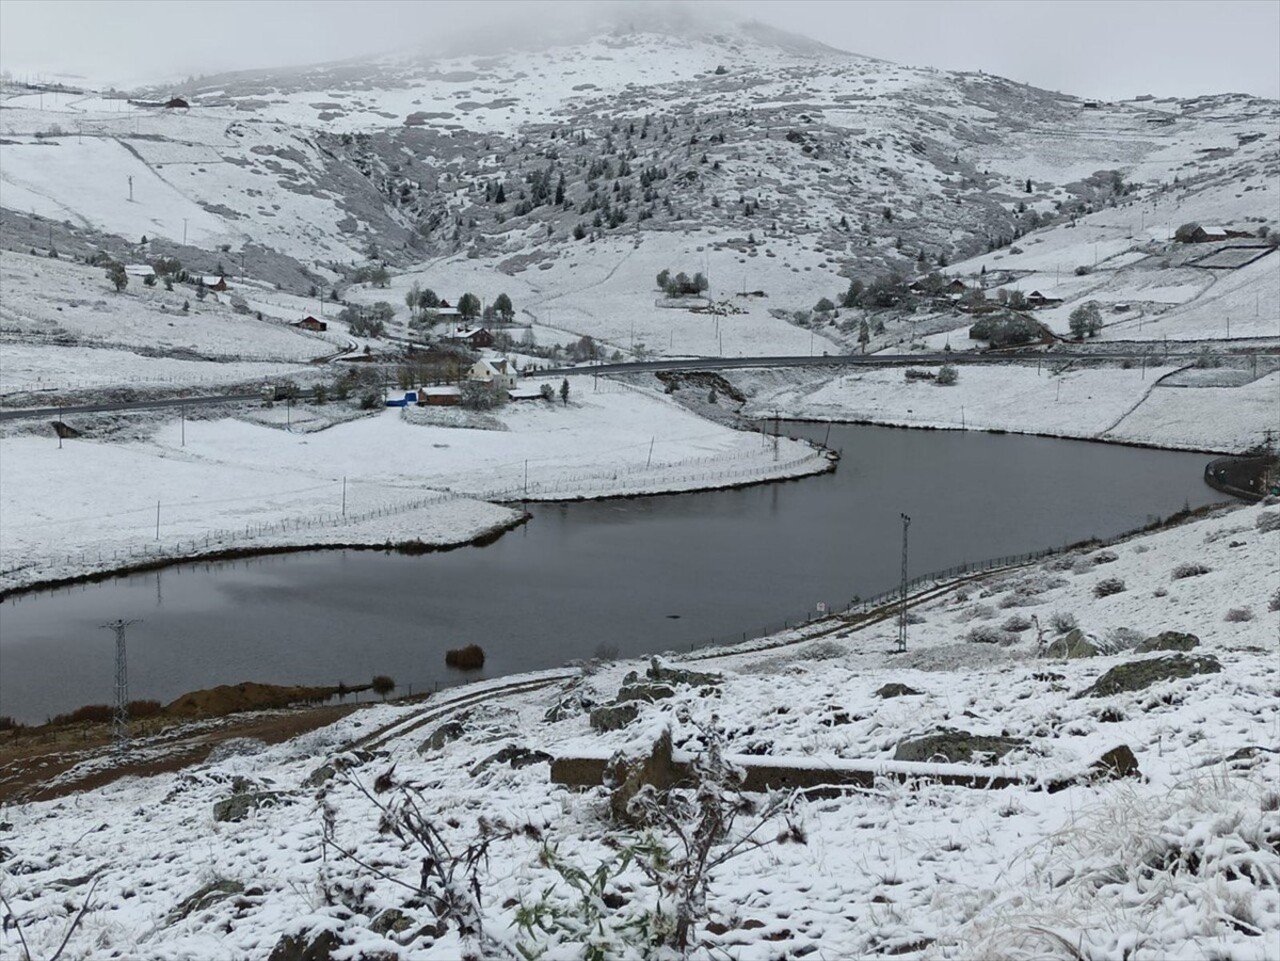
{"x": 66, "y": 328}
{"x": 1178, "y": 862}
{"x": 1055, "y": 399}
{"x": 227, "y": 484}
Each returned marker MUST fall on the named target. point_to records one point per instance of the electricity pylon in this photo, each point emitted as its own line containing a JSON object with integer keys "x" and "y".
{"x": 902, "y": 599}
{"x": 120, "y": 716}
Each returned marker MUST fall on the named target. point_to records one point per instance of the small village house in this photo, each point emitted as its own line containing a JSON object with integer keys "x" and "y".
{"x": 476, "y": 339}
{"x": 495, "y": 373}
{"x": 311, "y": 323}
{"x": 1037, "y": 299}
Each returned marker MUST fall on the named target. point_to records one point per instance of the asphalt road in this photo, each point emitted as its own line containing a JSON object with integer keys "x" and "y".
{"x": 56, "y": 412}
{"x": 867, "y": 360}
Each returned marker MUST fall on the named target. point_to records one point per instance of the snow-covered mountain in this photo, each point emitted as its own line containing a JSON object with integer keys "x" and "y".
{"x": 754, "y": 137}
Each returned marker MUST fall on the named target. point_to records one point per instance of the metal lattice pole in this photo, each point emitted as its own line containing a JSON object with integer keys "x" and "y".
{"x": 120, "y": 715}
{"x": 902, "y": 597}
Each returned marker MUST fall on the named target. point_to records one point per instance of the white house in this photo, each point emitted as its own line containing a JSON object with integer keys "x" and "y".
{"x": 495, "y": 373}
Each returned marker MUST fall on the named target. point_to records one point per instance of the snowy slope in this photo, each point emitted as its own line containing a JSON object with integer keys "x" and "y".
{"x": 919, "y": 870}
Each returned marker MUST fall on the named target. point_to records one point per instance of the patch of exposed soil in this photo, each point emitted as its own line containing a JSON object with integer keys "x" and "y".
{"x": 47, "y": 762}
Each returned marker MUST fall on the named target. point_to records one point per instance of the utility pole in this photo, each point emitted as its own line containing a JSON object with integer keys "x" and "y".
{"x": 344, "y": 495}
{"x": 120, "y": 715}
{"x": 131, "y": 188}
{"x": 184, "y": 231}
{"x": 902, "y": 597}
{"x": 157, "y": 518}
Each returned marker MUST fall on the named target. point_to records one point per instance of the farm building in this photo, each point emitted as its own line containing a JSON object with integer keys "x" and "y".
{"x": 310, "y": 323}
{"x": 447, "y": 396}
{"x": 495, "y": 373}
{"x": 475, "y": 339}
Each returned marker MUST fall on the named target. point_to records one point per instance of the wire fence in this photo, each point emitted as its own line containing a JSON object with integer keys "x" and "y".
{"x": 860, "y": 604}
{"x": 694, "y": 474}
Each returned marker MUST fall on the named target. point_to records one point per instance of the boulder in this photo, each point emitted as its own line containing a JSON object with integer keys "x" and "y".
{"x": 670, "y": 675}
{"x": 894, "y": 689}
{"x": 206, "y": 896}
{"x": 343, "y": 762}
{"x": 614, "y": 717}
{"x": 1168, "y": 641}
{"x": 446, "y": 732}
{"x": 391, "y": 921}
{"x": 1117, "y": 763}
{"x": 514, "y": 755}
{"x": 571, "y": 705}
{"x": 1136, "y": 675}
{"x": 1075, "y": 643}
{"x": 238, "y": 806}
{"x": 627, "y": 777}
{"x": 303, "y": 947}
{"x": 642, "y": 691}
{"x": 956, "y": 747}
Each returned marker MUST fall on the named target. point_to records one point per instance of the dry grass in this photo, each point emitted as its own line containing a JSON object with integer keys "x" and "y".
{"x": 469, "y": 658}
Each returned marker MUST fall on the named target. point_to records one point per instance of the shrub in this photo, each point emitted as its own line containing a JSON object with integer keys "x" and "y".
{"x": 1105, "y": 557}
{"x": 947, "y": 375}
{"x": 1239, "y": 614}
{"x": 1274, "y": 603}
{"x": 469, "y": 658}
{"x": 371, "y": 400}
{"x": 1063, "y": 621}
{"x": 1122, "y": 639}
{"x": 1016, "y": 623}
{"x": 1108, "y": 586}
{"x": 989, "y": 634}
{"x": 1189, "y": 570}
{"x": 1006, "y": 331}
{"x": 1268, "y": 521}
{"x": 88, "y": 714}
{"x": 383, "y": 685}
{"x": 140, "y": 709}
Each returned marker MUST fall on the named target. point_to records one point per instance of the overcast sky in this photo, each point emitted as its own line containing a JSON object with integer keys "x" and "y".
{"x": 1096, "y": 48}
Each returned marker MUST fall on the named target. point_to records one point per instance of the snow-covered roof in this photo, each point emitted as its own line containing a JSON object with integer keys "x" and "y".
{"x": 488, "y": 366}
{"x": 139, "y": 270}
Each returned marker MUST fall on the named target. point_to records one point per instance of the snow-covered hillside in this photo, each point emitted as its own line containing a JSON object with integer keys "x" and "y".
{"x": 268, "y": 846}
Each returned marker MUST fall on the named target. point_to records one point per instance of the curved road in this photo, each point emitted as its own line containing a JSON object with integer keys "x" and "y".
{"x": 131, "y": 405}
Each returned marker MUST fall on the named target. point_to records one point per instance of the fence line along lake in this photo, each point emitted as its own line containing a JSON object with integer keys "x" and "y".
{"x": 635, "y": 576}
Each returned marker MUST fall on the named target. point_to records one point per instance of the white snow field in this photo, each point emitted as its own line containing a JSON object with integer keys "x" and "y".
{"x": 1054, "y": 398}
{"x": 63, "y": 327}
{"x": 1177, "y": 862}
{"x": 236, "y": 486}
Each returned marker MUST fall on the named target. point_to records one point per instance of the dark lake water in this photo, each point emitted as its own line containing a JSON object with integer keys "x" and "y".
{"x": 637, "y": 576}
